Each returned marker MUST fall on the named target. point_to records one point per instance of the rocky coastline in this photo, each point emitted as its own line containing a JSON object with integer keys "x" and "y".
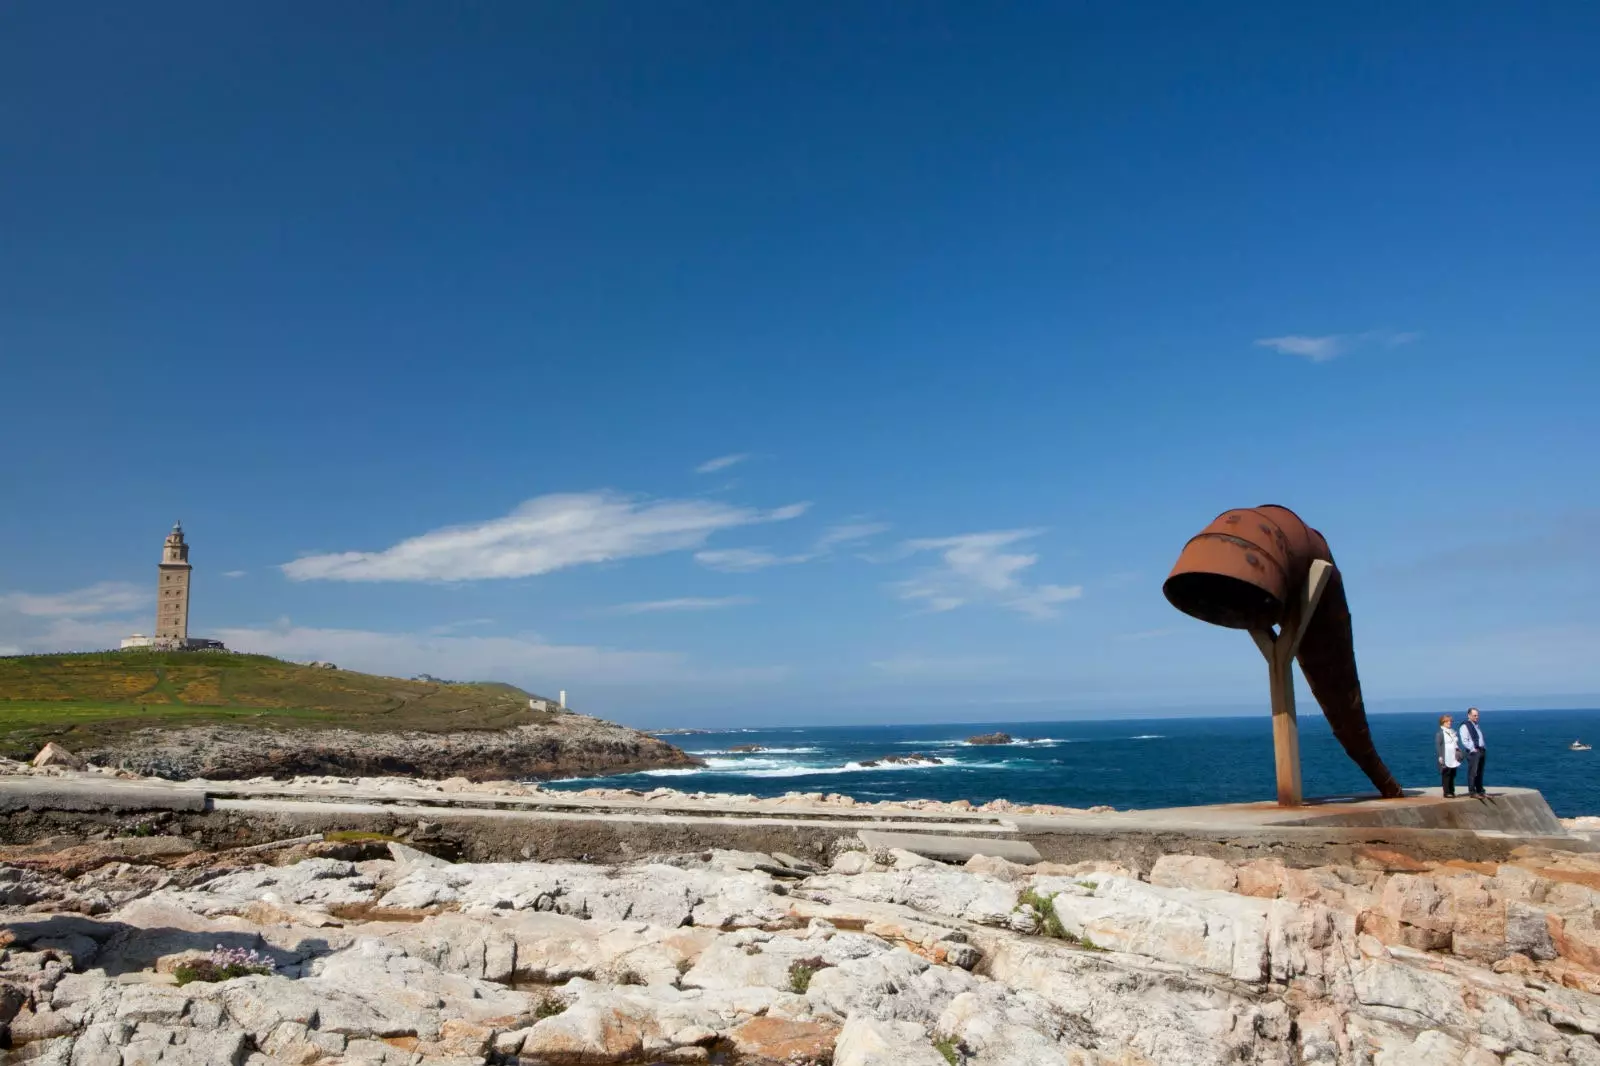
{"x": 568, "y": 745}
{"x": 363, "y": 948}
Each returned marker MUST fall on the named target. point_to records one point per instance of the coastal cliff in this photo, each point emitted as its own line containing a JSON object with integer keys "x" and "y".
{"x": 569, "y": 745}
{"x": 230, "y": 716}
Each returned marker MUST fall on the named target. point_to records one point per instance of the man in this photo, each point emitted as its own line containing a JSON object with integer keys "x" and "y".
{"x": 1472, "y": 744}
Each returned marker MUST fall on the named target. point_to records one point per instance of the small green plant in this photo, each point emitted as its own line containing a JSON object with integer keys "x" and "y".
{"x": 801, "y": 971}
{"x": 223, "y": 964}
{"x": 1044, "y": 906}
{"x": 1088, "y": 886}
{"x": 548, "y": 1007}
{"x": 949, "y": 1049}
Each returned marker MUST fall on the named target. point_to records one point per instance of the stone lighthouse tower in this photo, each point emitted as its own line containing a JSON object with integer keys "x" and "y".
{"x": 172, "y": 592}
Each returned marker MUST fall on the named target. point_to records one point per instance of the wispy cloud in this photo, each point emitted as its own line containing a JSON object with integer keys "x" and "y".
{"x": 745, "y": 560}
{"x": 684, "y": 603}
{"x": 544, "y": 534}
{"x": 1320, "y": 349}
{"x": 525, "y": 659}
{"x": 456, "y": 627}
{"x": 975, "y": 568}
{"x": 850, "y": 533}
{"x": 234, "y": 573}
{"x": 721, "y": 462}
{"x": 107, "y": 597}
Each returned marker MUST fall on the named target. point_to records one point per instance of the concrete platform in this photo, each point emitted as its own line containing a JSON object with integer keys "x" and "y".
{"x": 554, "y": 825}
{"x": 1505, "y": 810}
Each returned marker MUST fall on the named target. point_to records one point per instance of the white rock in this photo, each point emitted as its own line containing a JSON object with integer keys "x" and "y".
{"x": 866, "y": 1041}
{"x": 850, "y": 863}
{"x": 935, "y": 889}
{"x": 53, "y": 754}
{"x": 909, "y": 860}
{"x": 407, "y": 855}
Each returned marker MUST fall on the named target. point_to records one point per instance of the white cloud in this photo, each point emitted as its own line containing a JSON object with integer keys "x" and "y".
{"x": 544, "y": 534}
{"x": 721, "y": 462}
{"x": 974, "y": 569}
{"x": 233, "y": 573}
{"x": 525, "y": 659}
{"x": 745, "y": 560}
{"x": 456, "y": 627}
{"x": 849, "y": 533}
{"x": 10, "y": 649}
{"x": 1332, "y": 345}
{"x": 685, "y": 603}
{"x": 107, "y": 597}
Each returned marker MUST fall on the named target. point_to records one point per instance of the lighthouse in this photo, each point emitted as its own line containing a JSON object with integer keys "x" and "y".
{"x": 172, "y": 591}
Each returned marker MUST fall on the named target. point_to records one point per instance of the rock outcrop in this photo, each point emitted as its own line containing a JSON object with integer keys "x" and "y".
{"x": 569, "y": 745}
{"x": 736, "y": 957}
{"x": 991, "y": 738}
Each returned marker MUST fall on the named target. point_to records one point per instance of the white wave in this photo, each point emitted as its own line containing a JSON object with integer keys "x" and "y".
{"x": 1149, "y": 736}
{"x": 1020, "y": 742}
{"x": 763, "y": 751}
{"x": 749, "y": 762}
{"x": 800, "y": 770}
{"x": 776, "y": 768}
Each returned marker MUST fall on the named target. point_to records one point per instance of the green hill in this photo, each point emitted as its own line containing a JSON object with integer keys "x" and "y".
{"x": 86, "y": 699}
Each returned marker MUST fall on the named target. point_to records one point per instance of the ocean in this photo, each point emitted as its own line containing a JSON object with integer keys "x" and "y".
{"x": 1155, "y": 762}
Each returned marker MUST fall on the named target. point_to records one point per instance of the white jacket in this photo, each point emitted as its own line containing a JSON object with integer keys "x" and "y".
{"x": 1451, "y": 756}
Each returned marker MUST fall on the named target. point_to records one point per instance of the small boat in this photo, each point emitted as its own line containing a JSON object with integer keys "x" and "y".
{"x": 1578, "y": 745}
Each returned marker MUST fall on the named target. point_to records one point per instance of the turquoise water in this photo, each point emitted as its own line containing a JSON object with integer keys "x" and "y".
{"x": 1157, "y": 762}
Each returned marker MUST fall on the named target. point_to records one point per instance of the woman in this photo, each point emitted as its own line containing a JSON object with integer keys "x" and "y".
{"x": 1445, "y": 745}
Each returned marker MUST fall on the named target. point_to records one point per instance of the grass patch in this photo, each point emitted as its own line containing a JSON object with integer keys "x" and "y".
{"x": 801, "y": 971}
{"x": 358, "y": 836}
{"x": 548, "y": 1007}
{"x": 950, "y": 1050}
{"x": 88, "y": 699}
{"x": 1045, "y": 907}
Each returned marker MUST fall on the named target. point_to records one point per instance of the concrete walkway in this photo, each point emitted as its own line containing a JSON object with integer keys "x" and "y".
{"x": 552, "y": 823}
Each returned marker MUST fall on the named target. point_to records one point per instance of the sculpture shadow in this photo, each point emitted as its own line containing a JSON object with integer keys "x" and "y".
{"x": 119, "y": 948}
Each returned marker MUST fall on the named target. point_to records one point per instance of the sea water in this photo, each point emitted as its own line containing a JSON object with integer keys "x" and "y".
{"x": 1144, "y": 763}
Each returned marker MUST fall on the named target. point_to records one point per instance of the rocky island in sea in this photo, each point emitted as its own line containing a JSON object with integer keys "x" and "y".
{"x": 129, "y": 938}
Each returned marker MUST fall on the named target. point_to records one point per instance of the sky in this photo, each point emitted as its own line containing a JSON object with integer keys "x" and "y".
{"x": 757, "y": 364}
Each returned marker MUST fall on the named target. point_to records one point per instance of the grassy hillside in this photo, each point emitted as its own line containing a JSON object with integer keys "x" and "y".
{"x": 86, "y": 698}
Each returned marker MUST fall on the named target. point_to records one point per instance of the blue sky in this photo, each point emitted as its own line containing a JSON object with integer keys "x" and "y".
{"x": 756, "y": 363}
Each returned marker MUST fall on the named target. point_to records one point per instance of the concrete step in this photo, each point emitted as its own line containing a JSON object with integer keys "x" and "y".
{"x": 950, "y": 849}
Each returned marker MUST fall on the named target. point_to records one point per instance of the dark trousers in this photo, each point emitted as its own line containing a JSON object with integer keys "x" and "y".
{"x": 1475, "y": 772}
{"x": 1447, "y": 779}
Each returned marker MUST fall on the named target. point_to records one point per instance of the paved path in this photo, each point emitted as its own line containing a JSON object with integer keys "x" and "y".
{"x": 1421, "y": 820}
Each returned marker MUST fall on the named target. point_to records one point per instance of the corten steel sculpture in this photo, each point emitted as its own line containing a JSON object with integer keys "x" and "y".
{"x": 1263, "y": 567}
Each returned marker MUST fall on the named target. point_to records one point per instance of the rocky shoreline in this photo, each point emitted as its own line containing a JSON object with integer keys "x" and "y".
{"x": 359, "y": 948}
{"x": 569, "y": 745}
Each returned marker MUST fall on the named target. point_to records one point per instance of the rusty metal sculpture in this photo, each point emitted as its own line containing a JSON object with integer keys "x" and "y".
{"x": 1262, "y": 567}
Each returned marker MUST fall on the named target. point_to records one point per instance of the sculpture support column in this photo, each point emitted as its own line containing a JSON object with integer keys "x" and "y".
{"x": 1279, "y": 649}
